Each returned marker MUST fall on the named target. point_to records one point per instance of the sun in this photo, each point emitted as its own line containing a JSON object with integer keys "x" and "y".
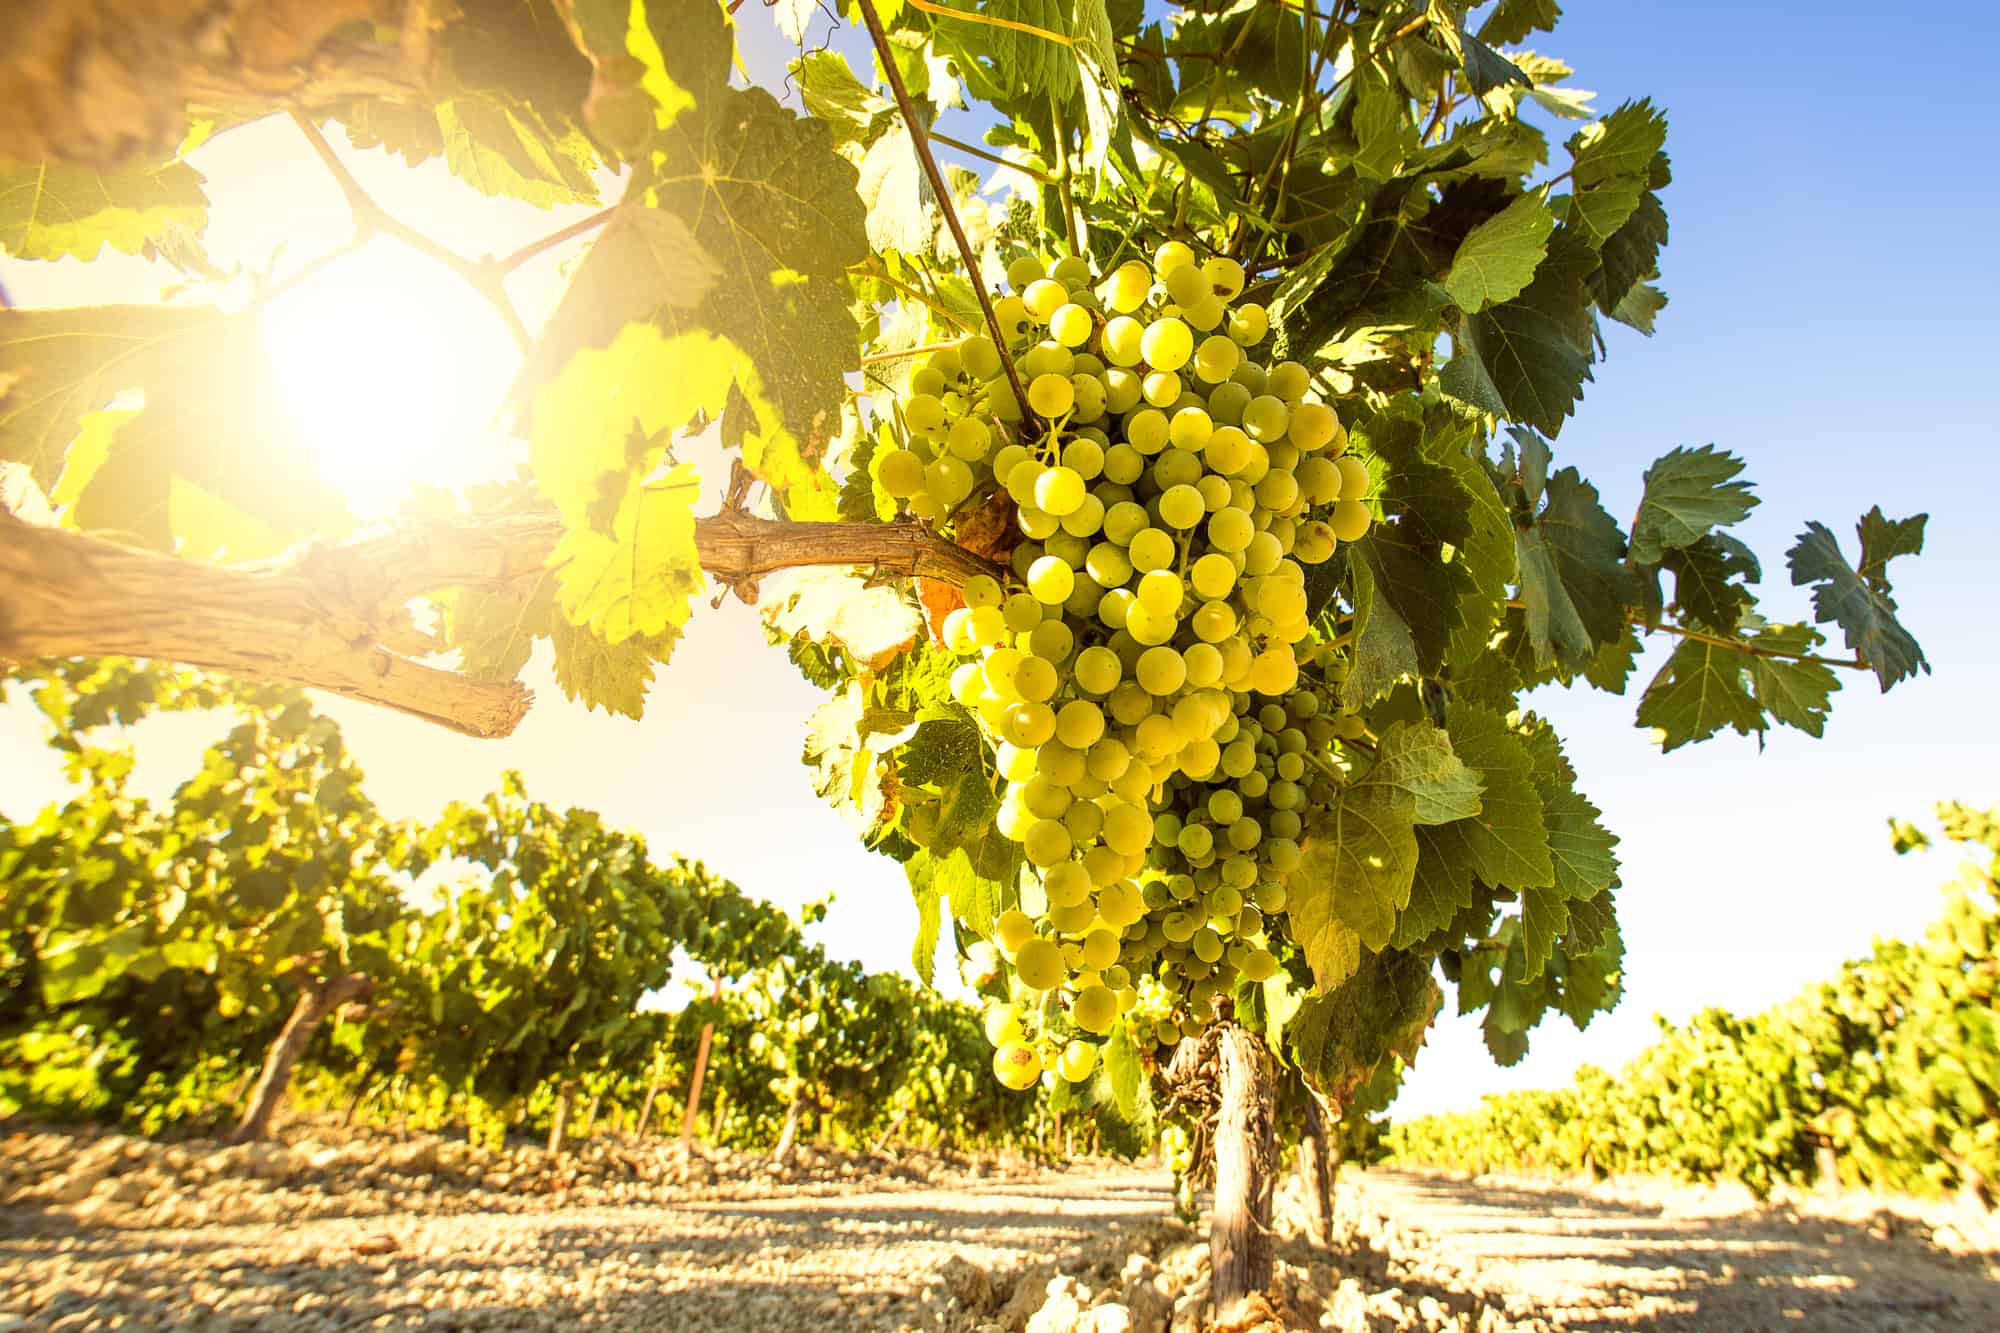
{"x": 395, "y": 370}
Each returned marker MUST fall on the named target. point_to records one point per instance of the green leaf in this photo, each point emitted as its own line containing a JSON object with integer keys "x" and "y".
{"x": 1416, "y": 759}
{"x": 494, "y": 627}
{"x": 1528, "y": 358}
{"x": 1125, "y": 1071}
{"x": 1688, "y": 492}
{"x": 1441, "y": 887}
{"x": 930, "y": 924}
{"x": 902, "y": 210}
{"x": 1488, "y": 556}
{"x": 1385, "y": 651}
{"x": 1631, "y": 256}
{"x": 53, "y": 210}
{"x": 1383, "y": 1009}
{"x": 831, "y": 93}
{"x": 644, "y": 266}
{"x": 766, "y": 194}
{"x": 948, "y": 754}
{"x": 1353, "y": 878}
{"x": 1616, "y": 162}
{"x": 501, "y": 148}
{"x": 1512, "y": 20}
{"x": 1382, "y": 124}
{"x": 82, "y": 966}
{"x": 611, "y": 676}
{"x": 1573, "y": 576}
{"x": 1863, "y": 608}
{"x": 1498, "y": 258}
{"x": 838, "y": 608}
{"x": 63, "y": 364}
{"x": 1706, "y": 589}
{"x": 1641, "y": 307}
{"x": 1798, "y": 694}
{"x": 1507, "y": 843}
{"x": 641, "y": 577}
{"x": 1697, "y": 693}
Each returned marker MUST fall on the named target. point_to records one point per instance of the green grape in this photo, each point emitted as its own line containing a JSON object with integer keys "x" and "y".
{"x": 1196, "y": 841}
{"x": 1266, "y": 418}
{"x": 1353, "y": 479}
{"x": 1176, "y": 467}
{"x": 1108, "y": 565}
{"x": 1278, "y": 491}
{"x": 1151, "y": 549}
{"x": 1148, "y": 430}
{"x": 1248, "y": 324}
{"x": 1021, "y": 611}
{"x": 1088, "y": 394}
{"x": 1186, "y": 286}
{"x": 924, "y": 413}
{"x": 901, "y": 473}
{"x": 1073, "y": 272}
{"x": 969, "y": 439}
{"x": 1216, "y": 492}
{"x": 1182, "y": 506}
{"x": 1170, "y": 256}
{"x": 1350, "y": 520}
{"x": 1085, "y": 457}
{"x": 1214, "y": 621}
{"x": 1224, "y": 276}
{"x": 1083, "y": 522}
{"x": 1043, "y": 297}
{"x": 1037, "y": 523}
{"x": 1205, "y": 315}
{"x": 1213, "y": 575}
{"x": 981, "y": 590}
{"x": 1011, "y": 313}
{"x": 1024, "y": 270}
{"x": 1051, "y": 395}
{"x": 1161, "y": 671}
{"x": 1123, "y": 464}
{"x": 1161, "y": 388}
{"x": 1123, "y": 341}
{"x": 1167, "y": 345}
{"x": 1190, "y": 428}
{"x": 1161, "y": 592}
{"x": 1227, "y": 451}
{"x": 1228, "y": 529}
{"x": 1021, "y": 479}
{"x": 1052, "y": 641}
{"x": 1288, "y": 381}
{"x": 1125, "y": 289}
{"x": 1098, "y": 671}
{"x": 980, "y": 357}
{"x": 1215, "y": 360}
{"x": 1059, "y": 490}
{"x": 948, "y": 479}
{"x": 1070, "y": 325}
{"x": 1051, "y": 580}
{"x": 1124, "y": 521}
{"x": 1123, "y": 390}
{"x": 1108, "y": 759}
{"x": 1313, "y": 426}
{"x": 1227, "y": 401}
{"x": 1027, "y": 724}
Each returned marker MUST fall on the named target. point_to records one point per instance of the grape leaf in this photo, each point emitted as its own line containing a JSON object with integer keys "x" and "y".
{"x": 65, "y": 363}
{"x": 1862, "y": 607}
{"x": 1631, "y": 255}
{"x": 641, "y": 577}
{"x": 1353, "y": 878}
{"x": 832, "y": 94}
{"x": 1528, "y": 358}
{"x": 1640, "y": 307}
{"x": 1612, "y": 169}
{"x": 1385, "y": 650}
{"x": 1416, "y": 759}
{"x": 764, "y": 192}
{"x": 947, "y": 753}
{"x": 1497, "y": 259}
{"x": 1488, "y": 556}
{"x": 1882, "y": 540}
{"x": 1512, "y": 20}
{"x": 1123, "y": 1068}
{"x": 611, "y": 676}
{"x": 1688, "y": 492}
{"x": 1383, "y": 1009}
{"x": 1440, "y": 888}
{"x": 839, "y": 608}
{"x": 1798, "y": 694}
{"x": 500, "y": 147}
{"x": 902, "y": 210}
{"x": 494, "y": 627}
{"x": 1507, "y": 843}
{"x": 1705, "y": 586}
{"x": 52, "y": 210}
{"x": 1697, "y": 693}
{"x": 930, "y": 924}
{"x": 1573, "y": 578}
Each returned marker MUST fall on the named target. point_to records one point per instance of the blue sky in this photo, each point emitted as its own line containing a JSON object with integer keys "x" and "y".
{"x": 1827, "y": 267}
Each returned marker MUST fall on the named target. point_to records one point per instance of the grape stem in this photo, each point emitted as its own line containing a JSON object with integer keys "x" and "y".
{"x": 1033, "y": 173}
{"x": 488, "y": 279}
{"x": 1722, "y": 641}
{"x": 920, "y": 140}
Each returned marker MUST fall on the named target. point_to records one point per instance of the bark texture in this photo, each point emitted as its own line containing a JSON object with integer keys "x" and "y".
{"x": 1239, "y": 1237}
{"x": 1316, "y": 1172}
{"x": 335, "y": 617}
{"x": 559, "y": 1122}
{"x": 700, "y": 1073}
{"x": 104, "y": 81}
{"x": 317, "y": 999}
{"x": 789, "y": 1136}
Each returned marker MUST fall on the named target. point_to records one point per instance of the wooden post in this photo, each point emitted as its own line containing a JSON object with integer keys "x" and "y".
{"x": 700, "y": 1072}
{"x": 559, "y": 1123}
{"x": 1239, "y": 1238}
{"x": 646, "y": 1108}
{"x": 789, "y": 1135}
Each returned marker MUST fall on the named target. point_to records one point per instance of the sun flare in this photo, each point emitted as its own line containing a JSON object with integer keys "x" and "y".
{"x": 395, "y": 370}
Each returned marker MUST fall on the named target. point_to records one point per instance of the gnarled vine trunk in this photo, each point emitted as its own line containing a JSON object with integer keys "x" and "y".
{"x": 1316, "y": 1168}
{"x": 318, "y": 997}
{"x": 789, "y": 1136}
{"x": 646, "y": 1108}
{"x": 559, "y": 1122}
{"x": 1239, "y": 1237}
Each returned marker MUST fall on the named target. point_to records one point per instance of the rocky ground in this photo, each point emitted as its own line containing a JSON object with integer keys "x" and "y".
{"x": 106, "y": 1232}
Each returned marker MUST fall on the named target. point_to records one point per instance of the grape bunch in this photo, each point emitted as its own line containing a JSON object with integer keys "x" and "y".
{"x": 1159, "y": 703}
